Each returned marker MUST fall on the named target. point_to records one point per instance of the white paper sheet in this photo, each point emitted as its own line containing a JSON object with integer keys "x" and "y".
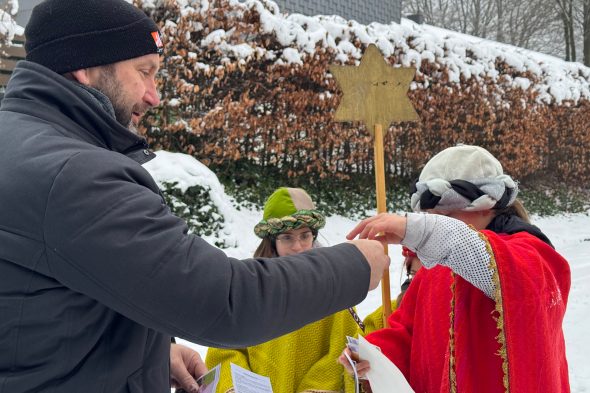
{"x": 356, "y": 376}
{"x": 245, "y": 381}
{"x": 384, "y": 376}
{"x": 353, "y": 345}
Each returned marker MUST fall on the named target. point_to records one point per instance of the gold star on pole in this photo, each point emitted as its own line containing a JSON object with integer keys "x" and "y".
{"x": 374, "y": 92}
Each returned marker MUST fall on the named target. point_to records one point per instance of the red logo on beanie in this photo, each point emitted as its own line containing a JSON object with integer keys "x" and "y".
{"x": 157, "y": 39}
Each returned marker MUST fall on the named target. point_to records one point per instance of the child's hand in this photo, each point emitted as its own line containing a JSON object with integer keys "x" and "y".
{"x": 362, "y": 366}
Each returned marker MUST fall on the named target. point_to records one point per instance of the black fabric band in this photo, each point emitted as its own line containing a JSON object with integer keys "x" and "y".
{"x": 467, "y": 190}
{"x": 462, "y": 187}
{"x": 509, "y": 223}
{"x": 428, "y": 200}
{"x": 503, "y": 202}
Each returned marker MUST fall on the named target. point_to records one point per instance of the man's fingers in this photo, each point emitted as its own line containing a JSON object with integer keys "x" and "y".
{"x": 184, "y": 362}
{"x": 200, "y": 368}
{"x": 188, "y": 383}
{"x": 184, "y": 379}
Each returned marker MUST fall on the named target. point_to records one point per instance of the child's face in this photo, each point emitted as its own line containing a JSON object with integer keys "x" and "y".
{"x": 294, "y": 241}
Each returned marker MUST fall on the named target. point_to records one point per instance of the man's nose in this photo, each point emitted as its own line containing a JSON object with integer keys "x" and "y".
{"x": 152, "y": 96}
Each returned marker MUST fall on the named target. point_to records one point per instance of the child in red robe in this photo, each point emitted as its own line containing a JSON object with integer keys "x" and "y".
{"x": 486, "y": 313}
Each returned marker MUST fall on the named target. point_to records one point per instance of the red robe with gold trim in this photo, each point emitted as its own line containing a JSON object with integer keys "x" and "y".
{"x": 448, "y": 335}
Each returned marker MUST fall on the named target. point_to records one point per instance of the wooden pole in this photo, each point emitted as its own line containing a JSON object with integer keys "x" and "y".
{"x": 382, "y": 208}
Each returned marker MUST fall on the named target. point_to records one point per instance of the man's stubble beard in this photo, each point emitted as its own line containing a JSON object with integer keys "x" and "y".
{"x": 109, "y": 85}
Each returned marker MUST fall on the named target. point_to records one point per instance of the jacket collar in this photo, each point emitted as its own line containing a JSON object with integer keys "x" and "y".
{"x": 37, "y": 91}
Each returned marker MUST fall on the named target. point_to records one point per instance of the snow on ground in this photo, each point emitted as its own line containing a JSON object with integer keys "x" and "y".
{"x": 569, "y": 233}
{"x": 571, "y": 237}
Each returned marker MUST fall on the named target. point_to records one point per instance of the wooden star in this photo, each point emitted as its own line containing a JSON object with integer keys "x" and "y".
{"x": 374, "y": 92}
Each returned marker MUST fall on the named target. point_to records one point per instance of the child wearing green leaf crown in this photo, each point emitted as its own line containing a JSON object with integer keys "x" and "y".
{"x": 304, "y": 360}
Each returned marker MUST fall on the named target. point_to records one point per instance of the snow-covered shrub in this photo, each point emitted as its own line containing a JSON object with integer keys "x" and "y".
{"x": 194, "y": 193}
{"x": 243, "y": 85}
{"x": 551, "y": 200}
{"x": 198, "y": 210}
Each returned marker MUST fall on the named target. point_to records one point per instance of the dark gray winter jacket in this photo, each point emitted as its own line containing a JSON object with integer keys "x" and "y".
{"x": 96, "y": 274}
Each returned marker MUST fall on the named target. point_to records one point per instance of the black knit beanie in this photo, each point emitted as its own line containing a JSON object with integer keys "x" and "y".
{"x": 69, "y": 35}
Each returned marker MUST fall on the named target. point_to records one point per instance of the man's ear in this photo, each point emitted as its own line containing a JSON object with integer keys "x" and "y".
{"x": 82, "y": 76}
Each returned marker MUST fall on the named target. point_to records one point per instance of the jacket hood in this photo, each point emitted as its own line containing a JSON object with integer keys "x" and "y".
{"x": 37, "y": 91}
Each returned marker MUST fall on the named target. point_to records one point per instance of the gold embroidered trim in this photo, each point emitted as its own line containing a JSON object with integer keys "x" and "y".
{"x": 319, "y": 391}
{"x": 231, "y": 390}
{"x": 501, "y": 337}
{"x": 452, "y": 374}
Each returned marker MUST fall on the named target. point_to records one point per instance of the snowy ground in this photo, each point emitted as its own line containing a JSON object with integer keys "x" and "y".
{"x": 569, "y": 233}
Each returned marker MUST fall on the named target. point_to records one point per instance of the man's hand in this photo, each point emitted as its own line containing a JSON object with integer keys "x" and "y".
{"x": 375, "y": 255}
{"x": 387, "y": 228}
{"x": 186, "y": 366}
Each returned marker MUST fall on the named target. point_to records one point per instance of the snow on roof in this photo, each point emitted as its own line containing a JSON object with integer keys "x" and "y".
{"x": 553, "y": 79}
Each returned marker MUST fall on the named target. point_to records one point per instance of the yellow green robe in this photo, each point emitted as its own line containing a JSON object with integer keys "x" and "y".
{"x": 374, "y": 321}
{"x": 302, "y": 361}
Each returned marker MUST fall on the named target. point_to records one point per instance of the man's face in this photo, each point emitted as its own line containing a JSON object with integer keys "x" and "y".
{"x": 131, "y": 87}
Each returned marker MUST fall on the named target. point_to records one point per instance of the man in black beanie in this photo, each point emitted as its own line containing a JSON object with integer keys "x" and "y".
{"x": 85, "y": 39}
{"x": 96, "y": 274}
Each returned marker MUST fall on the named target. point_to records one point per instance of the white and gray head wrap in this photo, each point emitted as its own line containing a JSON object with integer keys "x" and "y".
{"x": 465, "y": 178}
